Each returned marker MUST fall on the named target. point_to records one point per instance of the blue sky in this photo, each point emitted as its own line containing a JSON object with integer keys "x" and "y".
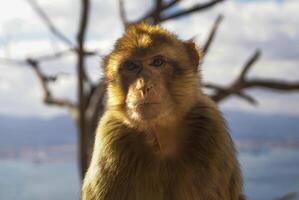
{"x": 270, "y": 25}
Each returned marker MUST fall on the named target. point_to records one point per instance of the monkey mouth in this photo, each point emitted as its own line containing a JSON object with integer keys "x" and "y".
{"x": 142, "y": 104}
{"x": 146, "y": 104}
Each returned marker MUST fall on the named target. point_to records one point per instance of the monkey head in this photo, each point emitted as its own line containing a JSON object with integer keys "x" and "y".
{"x": 151, "y": 74}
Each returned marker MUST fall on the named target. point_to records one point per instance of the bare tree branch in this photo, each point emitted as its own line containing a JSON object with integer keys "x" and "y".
{"x": 247, "y": 98}
{"x": 212, "y": 34}
{"x": 48, "y": 99}
{"x": 228, "y": 91}
{"x": 44, "y": 80}
{"x": 156, "y": 11}
{"x": 237, "y": 86}
{"x": 12, "y": 61}
{"x": 164, "y": 6}
{"x": 170, "y": 4}
{"x": 157, "y": 14}
{"x": 95, "y": 100}
{"x": 53, "y": 29}
{"x": 272, "y": 84}
{"x": 241, "y": 83}
{"x": 195, "y": 8}
{"x": 50, "y": 24}
{"x": 122, "y": 13}
{"x": 54, "y": 56}
{"x": 50, "y": 57}
{"x": 83, "y": 137}
{"x": 94, "y": 110}
{"x": 63, "y": 53}
{"x": 249, "y": 64}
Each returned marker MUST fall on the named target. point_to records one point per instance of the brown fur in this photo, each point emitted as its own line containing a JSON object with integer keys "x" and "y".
{"x": 185, "y": 153}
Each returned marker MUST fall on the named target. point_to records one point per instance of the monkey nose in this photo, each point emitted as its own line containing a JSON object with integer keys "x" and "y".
{"x": 146, "y": 90}
{"x": 140, "y": 84}
{"x": 142, "y": 87}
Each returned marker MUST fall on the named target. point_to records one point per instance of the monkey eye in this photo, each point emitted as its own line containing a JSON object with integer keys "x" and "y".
{"x": 158, "y": 61}
{"x": 130, "y": 65}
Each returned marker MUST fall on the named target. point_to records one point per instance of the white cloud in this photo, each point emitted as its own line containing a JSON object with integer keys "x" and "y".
{"x": 20, "y": 93}
{"x": 271, "y": 26}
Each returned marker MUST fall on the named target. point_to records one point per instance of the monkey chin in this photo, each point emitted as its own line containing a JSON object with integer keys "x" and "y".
{"x": 147, "y": 112}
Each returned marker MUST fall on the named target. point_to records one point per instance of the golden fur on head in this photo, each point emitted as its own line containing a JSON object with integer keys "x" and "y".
{"x": 143, "y": 38}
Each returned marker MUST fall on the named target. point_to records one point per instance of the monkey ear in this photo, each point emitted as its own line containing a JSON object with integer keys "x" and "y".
{"x": 193, "y": 52}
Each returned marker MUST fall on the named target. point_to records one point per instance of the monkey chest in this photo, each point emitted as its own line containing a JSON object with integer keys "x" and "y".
{"x": 169, "y": 183}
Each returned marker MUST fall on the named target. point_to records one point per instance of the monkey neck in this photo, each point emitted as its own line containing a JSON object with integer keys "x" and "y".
{"x": 164, "y": 137}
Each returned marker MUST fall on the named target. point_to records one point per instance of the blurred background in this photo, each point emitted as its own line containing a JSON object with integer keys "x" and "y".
{"x": 52, "y": 95}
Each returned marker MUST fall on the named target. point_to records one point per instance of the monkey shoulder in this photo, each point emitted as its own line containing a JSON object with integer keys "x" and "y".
{"x": 210, "y": 146}
{"x": 205, "y": 116}
{"x": 207, "y": 131}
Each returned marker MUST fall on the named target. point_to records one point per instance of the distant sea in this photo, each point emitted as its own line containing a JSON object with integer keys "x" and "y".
{"x": 25, "y": 180}
{"x": 267, "y": 175}
{"x": 271, "y": 174}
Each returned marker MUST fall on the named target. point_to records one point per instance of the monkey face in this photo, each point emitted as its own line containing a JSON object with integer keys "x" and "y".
{"x": 150, "y": 73}
{"x": 145, "y": 81}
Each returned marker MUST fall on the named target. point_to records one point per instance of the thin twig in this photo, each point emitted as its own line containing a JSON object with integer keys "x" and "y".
{"x": 249, "y": 64}
{"x": 54, "y": 30}
{"x": 212, "y": 34}
{"x": 12, "y": 61}
{"x": 170, "y": 4}
{"x": 50, "y": 57}
{"x": 94, "y": 110}
{"x": 48, "y": 99}
{"x": 193, "y": 9}
{"x": 54, "y": 56}
{"x": 157, "y": 13}
{"x": 280, "y": 85}
{"x": 246, "y": 97}
{"x": 122, "y": 13}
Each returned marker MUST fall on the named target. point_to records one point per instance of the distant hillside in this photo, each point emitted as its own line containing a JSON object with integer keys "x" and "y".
{"x": 18, "y": 132}
{"x": 257, "y": 126}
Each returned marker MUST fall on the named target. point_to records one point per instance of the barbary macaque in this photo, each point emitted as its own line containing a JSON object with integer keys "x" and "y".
{"x": 160, "y": 137}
